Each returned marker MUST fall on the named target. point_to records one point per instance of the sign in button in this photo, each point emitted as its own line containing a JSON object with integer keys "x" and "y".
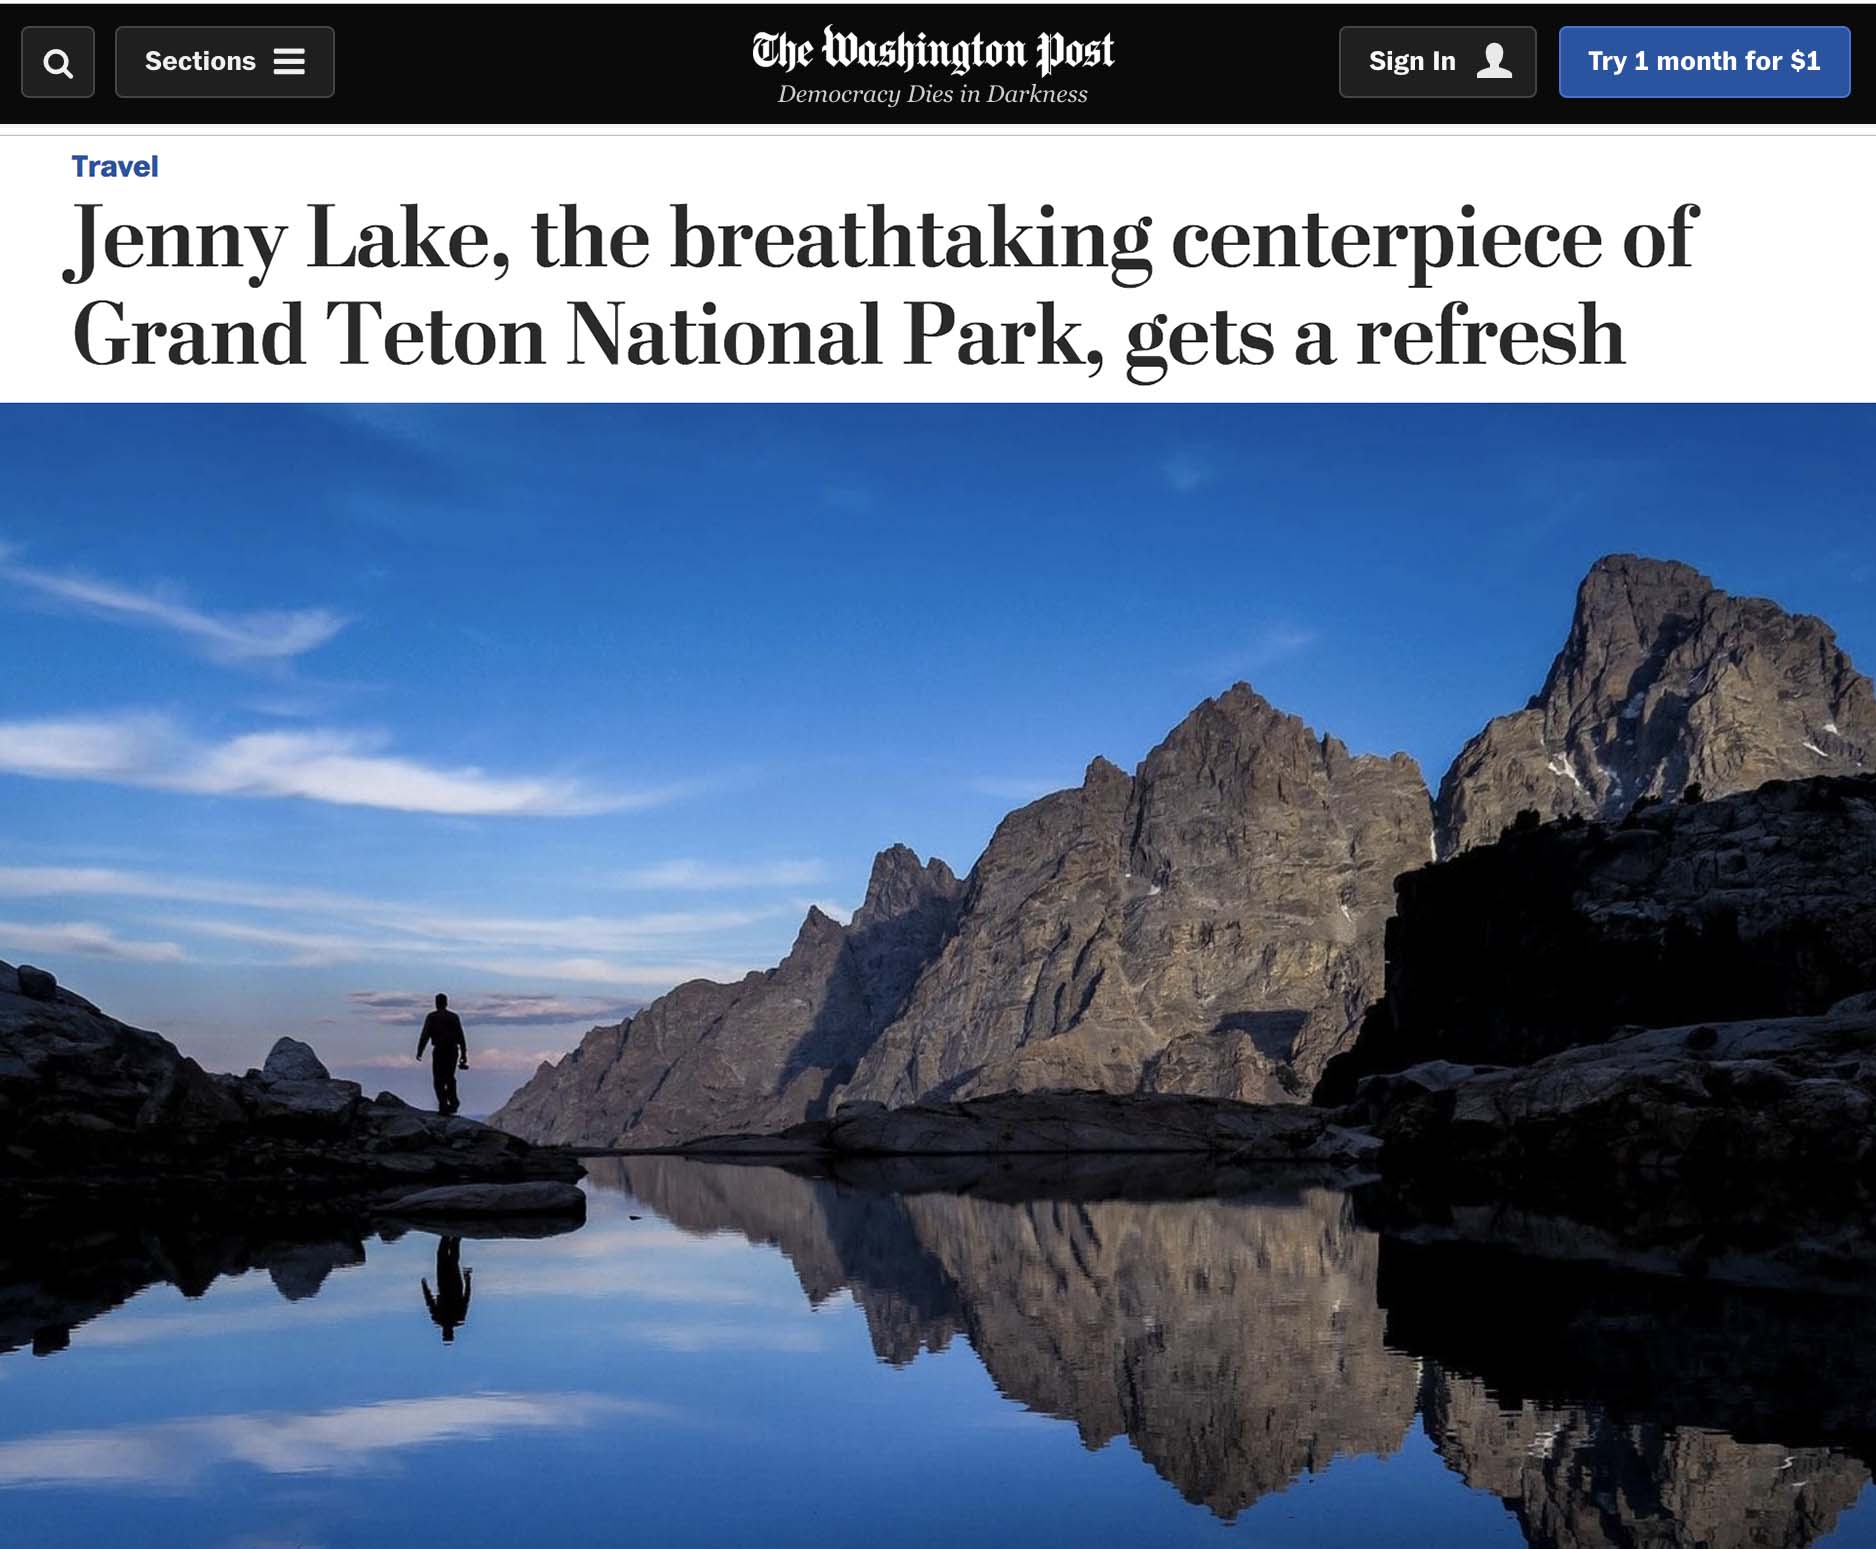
{"x": 1643, "y": 62}
{"x": 1457, "y": 62}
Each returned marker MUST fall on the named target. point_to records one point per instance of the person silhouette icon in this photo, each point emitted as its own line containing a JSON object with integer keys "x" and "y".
{"x": 1494, "y": 64}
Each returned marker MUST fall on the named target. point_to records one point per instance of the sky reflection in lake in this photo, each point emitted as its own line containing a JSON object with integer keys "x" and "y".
{"x": 738, "y": 1356}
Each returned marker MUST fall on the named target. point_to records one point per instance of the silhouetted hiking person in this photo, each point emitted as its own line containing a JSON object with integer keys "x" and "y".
{"x": 449, "y": 1304}
{"x": 449, "y": 1051}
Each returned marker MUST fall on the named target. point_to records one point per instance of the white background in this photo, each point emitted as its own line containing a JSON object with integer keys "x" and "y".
{"x": 1777, "y": 304}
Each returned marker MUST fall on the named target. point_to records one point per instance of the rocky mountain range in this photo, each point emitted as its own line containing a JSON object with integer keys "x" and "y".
{"x": 1212, "y": 923}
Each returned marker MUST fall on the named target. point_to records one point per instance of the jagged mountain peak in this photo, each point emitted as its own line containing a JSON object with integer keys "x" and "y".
{"x": 1210, "y": 924}
{"x": 1241, "y": 730}
{"x": 757, "y": 1054}
{"x": 1663, "y": 681}
{"x": 900, "y": 882}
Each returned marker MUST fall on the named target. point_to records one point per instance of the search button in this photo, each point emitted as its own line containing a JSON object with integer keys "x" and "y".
{"x": 58, "y": 62}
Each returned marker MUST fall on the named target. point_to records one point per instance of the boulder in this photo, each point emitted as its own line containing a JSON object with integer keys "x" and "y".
{"x": 1068, "y": 1123}
{"x": 36, "y": 983}
{"x": 186, "y": 1101}
{"x": 317, "y": 1106}
{"x": 291, "y": 1060}
{"x": 493, "y": 1199}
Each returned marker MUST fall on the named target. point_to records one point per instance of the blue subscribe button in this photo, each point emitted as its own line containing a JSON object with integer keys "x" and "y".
{"x": 1642, "y": 62}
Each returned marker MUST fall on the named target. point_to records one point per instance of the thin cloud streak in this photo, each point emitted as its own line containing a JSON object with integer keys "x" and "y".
{"x": 82, "y": 939}
{"x": 707, "y": 876}
{"x": 1023, "y": 788}
{"x": 318, "y": 949}
{"x": 226, "y": 637}
{"x": 340, "y": 768}
{"x": 512, "y": 1061}
{"x": 626, "y": 976}
{"x": 1276, "y": 643}
{"x": 337, "y": 928}
{"x": 503, "y": 1008}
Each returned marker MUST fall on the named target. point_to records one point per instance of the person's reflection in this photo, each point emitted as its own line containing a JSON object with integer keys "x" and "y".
{"x": 449, "y": 1303}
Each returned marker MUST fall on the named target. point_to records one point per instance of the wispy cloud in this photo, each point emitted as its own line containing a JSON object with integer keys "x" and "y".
{"x": 227, "y": 637}
{"x": 1186, "y": 472}
{"x": 113, "y": 882}
{"x": 175, "y": 1454}
{"x": 309, "y": 927}
{"x": 325, "y": 949}
{"x": 712, "y": 877}
{"x": 1024, "y": 788}
{"x": 599, "y": 970}
{"x": 1274, "y": 643}
{"x": 503, "y": 1008}
{"x": 342, "y": 768}
{"x": 692, "y": 1336}
{"x": 82, "y": 939}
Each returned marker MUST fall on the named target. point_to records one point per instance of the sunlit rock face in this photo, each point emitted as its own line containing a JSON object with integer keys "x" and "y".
{"x": 1576, "y": 1479}
{"x": 1210, "y": 924}
{"x": 1664, "y": 681}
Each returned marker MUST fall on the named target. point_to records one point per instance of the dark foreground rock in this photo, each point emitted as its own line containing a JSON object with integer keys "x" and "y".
{"x": 61, "y": 1269}
{"x": 1713, "y": 1103}
{"x": 92, "y": 1107}
{"x": 1759, "y": 905}
{"x": 1057, "y": 1123}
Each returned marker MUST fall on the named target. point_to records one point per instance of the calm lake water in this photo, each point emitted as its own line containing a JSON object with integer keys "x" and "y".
{"x": 742, "y": 1356}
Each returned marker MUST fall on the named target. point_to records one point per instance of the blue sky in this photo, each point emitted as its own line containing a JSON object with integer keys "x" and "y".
{"x": 313, "y": 711}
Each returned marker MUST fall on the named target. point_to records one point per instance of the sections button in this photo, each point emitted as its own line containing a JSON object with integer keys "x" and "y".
{"x": 225, "y": 61}
{"x": 1439, "y": 61}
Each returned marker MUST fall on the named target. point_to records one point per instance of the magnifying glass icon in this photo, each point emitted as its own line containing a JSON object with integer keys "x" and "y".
{"x": 58, "y": 62}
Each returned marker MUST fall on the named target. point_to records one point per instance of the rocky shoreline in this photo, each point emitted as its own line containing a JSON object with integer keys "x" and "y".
{"x": 98, "y": 1114}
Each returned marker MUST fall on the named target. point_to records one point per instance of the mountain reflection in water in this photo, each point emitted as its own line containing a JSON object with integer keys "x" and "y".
{"x": 1238, "y": 1342}
{"x": 657, "y": 1377}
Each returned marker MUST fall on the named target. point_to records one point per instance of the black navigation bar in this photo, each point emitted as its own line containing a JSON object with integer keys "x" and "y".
{"x": 933, "y": 65}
